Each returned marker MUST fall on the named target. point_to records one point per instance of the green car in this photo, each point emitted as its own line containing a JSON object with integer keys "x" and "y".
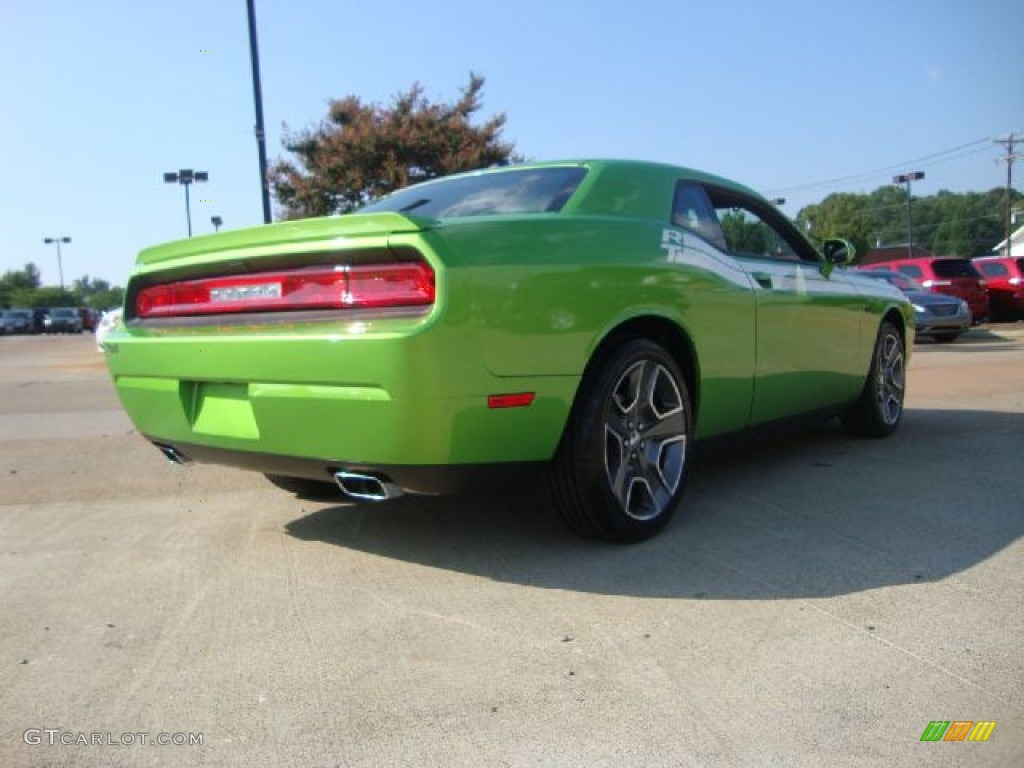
{"x": 592, "y": 319}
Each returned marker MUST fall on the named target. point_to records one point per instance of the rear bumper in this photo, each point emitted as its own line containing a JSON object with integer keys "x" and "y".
{"x": 429, "y": 480}
{"x": 300, "y": 404}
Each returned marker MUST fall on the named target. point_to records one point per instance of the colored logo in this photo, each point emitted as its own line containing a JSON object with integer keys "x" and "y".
{"x": 958, "y": 730}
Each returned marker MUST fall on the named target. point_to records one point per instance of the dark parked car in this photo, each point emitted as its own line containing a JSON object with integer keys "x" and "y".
{"x": 63, "y": 320}
{"x": 16, "y": 321}
{"x": 935, "y": 314}
{"x": 40, "y": 320}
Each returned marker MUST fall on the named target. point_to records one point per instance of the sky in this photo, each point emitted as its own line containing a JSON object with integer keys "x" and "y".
{"x": 795, "y": 98}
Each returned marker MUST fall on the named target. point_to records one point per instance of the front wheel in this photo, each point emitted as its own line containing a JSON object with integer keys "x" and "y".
{"x": 879, "y": 409}
{"x": 620, "y": 469}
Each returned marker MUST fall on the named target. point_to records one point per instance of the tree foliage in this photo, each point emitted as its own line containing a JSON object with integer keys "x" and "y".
{"x": 947, "y": 224}
{"x": 16, "y": 282}
{"x": 362, "y": 151}
{"x": 98, "y": 294}
{"x": 23, "y": 288}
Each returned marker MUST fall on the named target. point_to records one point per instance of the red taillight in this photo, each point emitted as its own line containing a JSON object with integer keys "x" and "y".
{"x": 406, "y": 284}
{"x": 516, "y": 400}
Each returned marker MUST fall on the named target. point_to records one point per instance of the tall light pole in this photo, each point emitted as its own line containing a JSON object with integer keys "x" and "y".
{"x": 185, "y": 177}
{"x": 906, "y": 178}
{"x": 60, "y": 267}
{"x": 257, "y": 96}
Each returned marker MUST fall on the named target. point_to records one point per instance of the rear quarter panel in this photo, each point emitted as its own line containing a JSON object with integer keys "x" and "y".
{"x": 545, "y": 291}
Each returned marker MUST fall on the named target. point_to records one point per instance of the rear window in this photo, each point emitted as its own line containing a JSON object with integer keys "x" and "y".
{"x": 533, "y": 190}
{"x": 994, "y": 269}
{"x": 910, "y": 269}
{"x": 954, "y": 268}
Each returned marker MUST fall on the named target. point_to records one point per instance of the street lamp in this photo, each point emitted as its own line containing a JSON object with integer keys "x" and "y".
{"x": 906, "y": 178}
{"x": 217, "y": 222}
{"x": 60, "y": 267}
{"x": 185, "y": 177}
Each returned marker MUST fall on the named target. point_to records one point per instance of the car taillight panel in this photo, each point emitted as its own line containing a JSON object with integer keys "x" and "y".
{"x": 365, "y": 286}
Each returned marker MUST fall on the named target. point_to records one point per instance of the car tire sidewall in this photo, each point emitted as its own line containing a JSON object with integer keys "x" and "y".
{"x": 588, "y": 442}
{"x": 866, "y": 418}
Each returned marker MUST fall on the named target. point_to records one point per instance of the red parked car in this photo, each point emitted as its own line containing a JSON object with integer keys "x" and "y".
{"x": 89, "y": 318}
{"x": 945, "y": 274}
{"x": 1005, "y": 278}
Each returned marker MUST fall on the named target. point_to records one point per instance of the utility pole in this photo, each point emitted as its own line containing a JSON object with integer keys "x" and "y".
{"x": 1009, "y": 158}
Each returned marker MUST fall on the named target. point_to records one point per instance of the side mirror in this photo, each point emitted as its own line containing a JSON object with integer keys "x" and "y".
{"x": 838, "y": 251}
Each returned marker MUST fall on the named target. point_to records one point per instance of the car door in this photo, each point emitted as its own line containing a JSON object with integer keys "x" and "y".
{"x": 811, "y": 321}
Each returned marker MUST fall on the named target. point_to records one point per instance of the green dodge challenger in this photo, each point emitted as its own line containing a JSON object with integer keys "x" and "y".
{"x": 591, "y": 318}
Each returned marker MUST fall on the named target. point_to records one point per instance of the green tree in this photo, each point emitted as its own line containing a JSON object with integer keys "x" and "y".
{"x": 48, "y": 296}
{"x": 838, "y": 215}
{"x": 99, "y": 294}
{"x": 15, "y": 283}
{"x": 947, "y": 224}
{"x": 362, "y": 151}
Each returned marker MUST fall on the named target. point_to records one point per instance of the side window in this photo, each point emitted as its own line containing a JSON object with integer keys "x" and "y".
{"x": 910, "y": 269}
{"x": 754, "y": 229}
{"x": 692, "y": 211}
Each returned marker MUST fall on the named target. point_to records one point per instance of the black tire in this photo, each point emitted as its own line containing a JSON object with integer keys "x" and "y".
{"x": 879, "y": 409}
{"x": 304, "y": 488}
{"x": 946, "y": 338}
{"x": 620, "y": 470}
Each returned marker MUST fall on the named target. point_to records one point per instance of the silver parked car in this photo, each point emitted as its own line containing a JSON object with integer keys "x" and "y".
{"x": 937, "y": 315}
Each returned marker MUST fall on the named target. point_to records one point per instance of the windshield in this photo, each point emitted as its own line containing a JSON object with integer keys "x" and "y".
{"x": 534, "y": 190}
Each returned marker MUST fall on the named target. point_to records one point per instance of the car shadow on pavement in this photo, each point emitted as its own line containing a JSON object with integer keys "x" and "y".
{"x": 814, "y": 514}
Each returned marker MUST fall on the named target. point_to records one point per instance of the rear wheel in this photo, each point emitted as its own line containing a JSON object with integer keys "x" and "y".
{"x": 879, "y": 409}
{"x": 620, "y": 470}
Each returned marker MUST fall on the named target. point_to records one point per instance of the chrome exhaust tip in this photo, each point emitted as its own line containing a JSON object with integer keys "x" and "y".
{"x": 172, "y": 454}
{"x": 364, "y": 487}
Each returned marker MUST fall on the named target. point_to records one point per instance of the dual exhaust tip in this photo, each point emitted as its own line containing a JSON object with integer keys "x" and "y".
{"x": 356, "y": 485}
{"x": 363, "y": 487}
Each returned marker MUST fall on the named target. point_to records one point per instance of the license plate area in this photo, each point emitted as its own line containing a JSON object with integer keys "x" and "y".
{"x": 221, "y": 408}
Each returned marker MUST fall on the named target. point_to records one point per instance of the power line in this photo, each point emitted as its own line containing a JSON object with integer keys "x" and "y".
{"x": 931, "y": 159}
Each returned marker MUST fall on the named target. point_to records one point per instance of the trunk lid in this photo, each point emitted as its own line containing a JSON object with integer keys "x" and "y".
{"x": 331, "y": 232}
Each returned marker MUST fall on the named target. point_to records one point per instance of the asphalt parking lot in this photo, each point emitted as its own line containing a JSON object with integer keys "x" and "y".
{"x": 817, "y": 602}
